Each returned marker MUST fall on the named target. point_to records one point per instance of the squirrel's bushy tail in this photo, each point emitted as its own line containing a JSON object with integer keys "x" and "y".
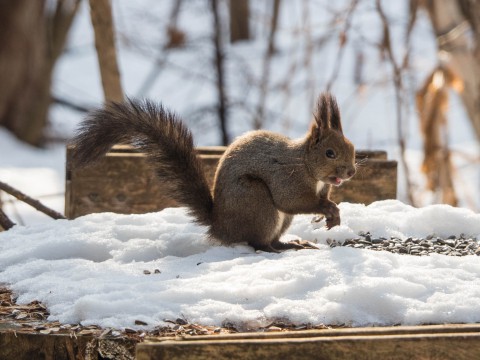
{"x": 158, "y": 133}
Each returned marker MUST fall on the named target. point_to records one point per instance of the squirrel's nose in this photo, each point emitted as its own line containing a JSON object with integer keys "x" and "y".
{"x": 351, "y": 172}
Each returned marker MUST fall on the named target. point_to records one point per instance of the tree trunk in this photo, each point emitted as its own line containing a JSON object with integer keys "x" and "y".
{"x": 239, "y": 20}
{"x": 31, "y": 39}
{"x": 451, "y": 28}
{"x": 22, "y": 67}
{"x": 258, "y": 120}
{"x": 102, "y": 21}
{"x": 219, "y": 66}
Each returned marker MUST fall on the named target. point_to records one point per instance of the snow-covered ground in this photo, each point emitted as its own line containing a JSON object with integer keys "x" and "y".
{"x": 91, "y": 270}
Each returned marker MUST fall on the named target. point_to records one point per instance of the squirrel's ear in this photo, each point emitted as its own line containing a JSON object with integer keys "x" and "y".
{"x": 327, "y": 114}
{"x": 321, "y": 113}
{"x": 335, "y": 120}
{"x": 315, "y": 133}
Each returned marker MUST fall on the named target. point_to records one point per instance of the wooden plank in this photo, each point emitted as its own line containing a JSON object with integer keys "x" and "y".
{"x": 434, "y": 342}
{"x": 450, "y": 341}
{"x": 393, "y": 347}
{"x": 28, "y": 346}
{"x": 353, "y": 331}
{"x": 219, "y": 150}
{"x": 377, "y": 180}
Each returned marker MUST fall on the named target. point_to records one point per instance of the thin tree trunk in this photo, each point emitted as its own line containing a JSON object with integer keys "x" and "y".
{"x": 398, "y": 87}
{"x": 260, "y": 113}
{"x": 102, "y": 21}
{"x": 239, "y": 20}
{"x": 219, "y": 65}
{"x": 451, "y": 28}
{"x": 176, "y": 38}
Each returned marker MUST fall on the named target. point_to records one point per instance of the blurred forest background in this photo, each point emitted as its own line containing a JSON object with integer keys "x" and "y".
{"x": 406, "y": 73}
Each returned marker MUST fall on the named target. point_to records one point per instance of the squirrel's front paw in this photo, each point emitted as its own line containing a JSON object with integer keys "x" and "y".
{"x": 332, "y": 214}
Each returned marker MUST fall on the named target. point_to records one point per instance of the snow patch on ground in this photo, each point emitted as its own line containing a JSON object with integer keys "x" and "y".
{"x": 91, "y": 270}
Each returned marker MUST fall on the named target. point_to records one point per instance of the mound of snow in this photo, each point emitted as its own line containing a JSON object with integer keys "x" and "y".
{"x": 91, "y": 271}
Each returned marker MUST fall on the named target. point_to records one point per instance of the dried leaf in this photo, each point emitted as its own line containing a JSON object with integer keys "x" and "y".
{"x": 432, "y": 105}
{"x": 86, "y": 332}
{"x": 21, "y": 316}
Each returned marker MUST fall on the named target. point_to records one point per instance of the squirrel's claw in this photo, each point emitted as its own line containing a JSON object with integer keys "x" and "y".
{"x": 304, "y": 244}
{"x": 332, "y": 214}
{"x": 279, "y": 246}
{"x": 333, "y": 221}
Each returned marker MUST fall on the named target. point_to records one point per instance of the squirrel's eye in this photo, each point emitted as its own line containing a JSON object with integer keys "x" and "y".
{"x": 330, "y": 154}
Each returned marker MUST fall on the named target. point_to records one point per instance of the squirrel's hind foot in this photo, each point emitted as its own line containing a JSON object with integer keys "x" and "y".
{"x": 303, "y": 244}
{"x": 279, "y": 246}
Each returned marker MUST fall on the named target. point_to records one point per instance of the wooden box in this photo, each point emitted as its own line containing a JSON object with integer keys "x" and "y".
{"x": 435, "y": 342}
{"x": 439, "y": 342}
{"x": 123, "y": 182}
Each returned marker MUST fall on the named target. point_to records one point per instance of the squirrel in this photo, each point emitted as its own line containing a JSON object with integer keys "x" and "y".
{"x": 263, "y": 179}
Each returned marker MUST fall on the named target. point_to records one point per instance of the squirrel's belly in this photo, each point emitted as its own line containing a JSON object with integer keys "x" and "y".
{"x": 279, "y": 224}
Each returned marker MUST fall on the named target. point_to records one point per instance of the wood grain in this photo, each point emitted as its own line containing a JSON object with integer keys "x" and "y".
{"x": 456, "y": 342}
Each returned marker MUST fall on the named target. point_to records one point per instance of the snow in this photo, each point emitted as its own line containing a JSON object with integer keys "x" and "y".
{"x": 91, "y": 271}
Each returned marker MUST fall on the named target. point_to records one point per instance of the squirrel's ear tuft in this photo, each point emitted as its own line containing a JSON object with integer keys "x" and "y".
{"x": 327, "y": 114}
{"x": 321, "y": 113}
{"x": 335, "y": 120}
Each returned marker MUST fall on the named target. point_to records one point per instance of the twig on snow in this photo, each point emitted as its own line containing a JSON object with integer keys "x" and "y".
{"x": 30, "y": 201}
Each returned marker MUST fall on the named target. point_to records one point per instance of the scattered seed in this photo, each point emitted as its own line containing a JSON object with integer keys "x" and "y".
{"x": 451, "y": 246}
{"x": 181, "y": 321}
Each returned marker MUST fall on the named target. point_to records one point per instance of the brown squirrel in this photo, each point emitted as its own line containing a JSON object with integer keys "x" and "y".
{"x": 262, "y": 180}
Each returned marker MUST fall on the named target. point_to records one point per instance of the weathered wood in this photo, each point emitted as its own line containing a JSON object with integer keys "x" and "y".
{"x": 28, "y": 346}
{"x": 377, "y": 180}
{"x": 420, "y": 342}
{"x": 353, "y": 331}
{"x": 123, "y": 182}
{"x": 451, "y": 341}
{"x": 394, "y": 347}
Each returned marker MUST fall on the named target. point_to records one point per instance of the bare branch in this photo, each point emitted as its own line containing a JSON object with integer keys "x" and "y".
{"x": 260, "y": 113}
{"x": 30, "y": 201}
{"x": 398, "y": 85}
{"x": 343, "y": 42}
{"x": 5, "y": 222}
